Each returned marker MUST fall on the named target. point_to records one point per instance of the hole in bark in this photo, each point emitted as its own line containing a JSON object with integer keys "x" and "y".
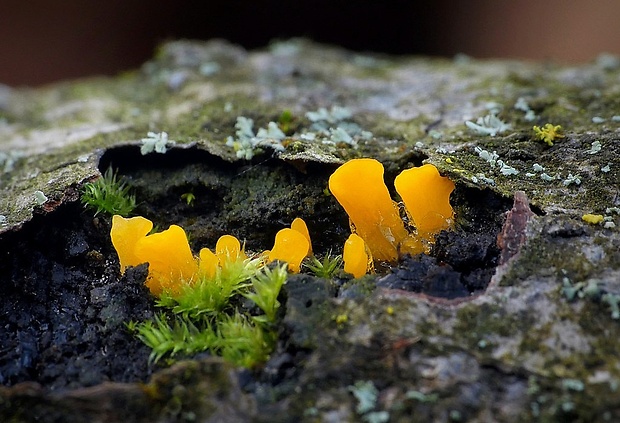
{"x": 63, "y": 307}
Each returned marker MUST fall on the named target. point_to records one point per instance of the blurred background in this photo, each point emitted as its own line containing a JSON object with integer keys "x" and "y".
{"x": 43, "y": 41}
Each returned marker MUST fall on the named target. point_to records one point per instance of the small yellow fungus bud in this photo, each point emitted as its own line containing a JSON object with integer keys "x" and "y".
{"x": 356, "y": 257}
{"x": 290, "y": 246}
{"x": 125, "y": 235}
{"x": 548, "y": 133}
{"x": 426, "y": 195}
{"x": 300, "y": 226}
{"x": 170, "y": 259}
{"x": 359, "y": 187}
{"x": 592, "y": 219}
{"x": 389, "y": 310}
{"x": 228, "y": 248}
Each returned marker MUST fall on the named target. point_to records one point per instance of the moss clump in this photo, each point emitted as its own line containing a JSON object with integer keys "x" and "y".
{"x": 206, "y": 316}
{"x": 109, "y": 194}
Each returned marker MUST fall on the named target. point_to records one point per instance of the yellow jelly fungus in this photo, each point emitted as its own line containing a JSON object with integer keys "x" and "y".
{"x": 356, "y": 259}
{"x": 358, "y": 186}
{"x": 592, "y": 219}
{"x": 300, "y": 226}
{"x": 228, "y": 248}
{"x": 290, "y": 246}
{"x": 125, "y": 235}
{"x": 170, "y": 259}
{"x": 208, "y": 263}
{"x": 426, "y": 196}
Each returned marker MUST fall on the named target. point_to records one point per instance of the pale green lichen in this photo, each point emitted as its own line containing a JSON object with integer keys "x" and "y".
{"x": 366, "y": 394}
{"x": 595, "y": 147}
{"x": 247, "y": 144}
{"x": 522, "y": 105}
{"x": 488, "y": 125}
{"x": 494, "y": 160}
{"x": 334, "y": 126}
{"x": 156, "y": 141}
{"x": 40, "y": 198}
{"x": 571, "y": 179}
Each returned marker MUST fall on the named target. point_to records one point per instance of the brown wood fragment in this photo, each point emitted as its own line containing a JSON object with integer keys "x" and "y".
{"x": 512, "y": 236}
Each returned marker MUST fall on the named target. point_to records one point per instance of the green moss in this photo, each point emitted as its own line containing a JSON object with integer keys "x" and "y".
{"x": 325, "y": 268}
{"x": 205, "y": 316}
{"x": 109, "y": 194}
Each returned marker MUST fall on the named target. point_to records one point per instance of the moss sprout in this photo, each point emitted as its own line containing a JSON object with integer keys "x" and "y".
{"x": 109, "y": 194}
{"x": 266, "y": 286}
{"x": 325, "y": 268}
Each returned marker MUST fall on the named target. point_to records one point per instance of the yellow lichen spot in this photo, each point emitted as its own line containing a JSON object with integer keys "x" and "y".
{"x": 208, "y": 265}
{"x": 357, "y": 260}
{"x": 290, "y": 246}
{"x": 548, "y": 133}
{"x": 592, "y": 219}
{"x": 449, "y": 160}
{"x": 170, "y": 259}
{"x": 300, "y": 226}
{"x": 125, "y": 235}
{"x": 228, "y": 248}
{"x": 389, "y": 310}
{"x": 426, "y": 196}
{"x": 358, "y": 186}
{"x": 341, "y": 319}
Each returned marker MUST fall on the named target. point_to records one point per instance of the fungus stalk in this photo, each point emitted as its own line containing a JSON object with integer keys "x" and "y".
{"x": 359, "y": 188}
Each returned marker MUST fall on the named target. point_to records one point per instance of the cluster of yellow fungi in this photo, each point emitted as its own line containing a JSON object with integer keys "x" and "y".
{"x": 170, "y": 259}
{"x": 378, "y": 232}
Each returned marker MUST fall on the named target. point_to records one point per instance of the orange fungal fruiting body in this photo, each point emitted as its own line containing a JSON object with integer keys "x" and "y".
{"x": 227, "y": 249}
{"x": 291, "y": 245}
{"x": 208, "y": 265}
{"x": 125, "y": 235}
{"x": 170, "y": 260}
{"x": 426, "y": 196}
{"x": 300, "y": 226}
{"x": 356, "y": 258}
{"x": 359, "y": 187}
